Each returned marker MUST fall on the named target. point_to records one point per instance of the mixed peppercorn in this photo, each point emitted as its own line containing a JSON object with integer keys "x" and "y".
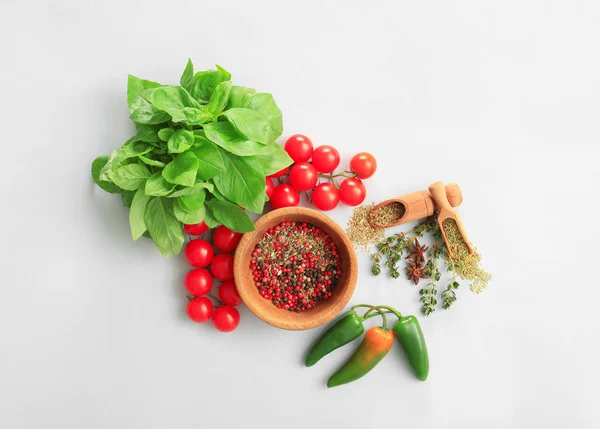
{"x": 296, "y": 265}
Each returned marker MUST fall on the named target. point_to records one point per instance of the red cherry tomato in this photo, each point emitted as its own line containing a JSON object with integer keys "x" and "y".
{"x": 269, "y": 188}
{"x": 325, "y": 197}
{"x": 225, "y": 239}
{"x": 221, "y": 266}
{"x": 280, "y": 173}
{"x": 198, "y": 282}
{"x": 200, "y": 309}
{"x": 226, "y": 318}
{"x": 299, "y": 148}
{"x": 285, "y": 196}
{"x": 352, "y": 192}
{"x": 196, "y": 228}
{"x": 325, "y": 159}
{"x": 363, "y": 164}
{"x": 303, "y": 176}
{"x": 199, "y": 253}
{"x": 229, "y": 294}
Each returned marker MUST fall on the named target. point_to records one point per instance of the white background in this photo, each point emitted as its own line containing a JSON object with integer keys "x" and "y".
{"x": 500, "y": 97}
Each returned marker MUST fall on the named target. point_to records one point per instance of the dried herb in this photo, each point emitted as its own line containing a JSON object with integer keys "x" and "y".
{"x": 360, "y": 232}
{"x": 388, "y": 214}
{"x": 423, "y": 262}
{"x": 393, "y": 247}
{"x": 464, "y": 265}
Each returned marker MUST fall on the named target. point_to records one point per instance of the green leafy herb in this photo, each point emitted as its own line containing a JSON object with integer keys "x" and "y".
{"x": 230, "y": 215}
{"x": 200, "y": 150}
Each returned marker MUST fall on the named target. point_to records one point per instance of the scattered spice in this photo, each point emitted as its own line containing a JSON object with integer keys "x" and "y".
{"x": 423, "y": 261}
{"x": 296, "y": 265}
{"x": 388, "y": 214}
{"x": 464, "y": 265}
{"x": 360, "y": 232}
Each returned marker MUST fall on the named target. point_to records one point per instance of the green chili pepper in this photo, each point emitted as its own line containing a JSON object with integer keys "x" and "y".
{"x": 348, "y": 328}
{"x": 376, "y": 344}
{"x": 410, "y": 336}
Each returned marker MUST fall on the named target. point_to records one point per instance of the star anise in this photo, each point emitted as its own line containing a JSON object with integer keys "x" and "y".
{"x": 415, "y": 271}
{"x": 416, "y": 252}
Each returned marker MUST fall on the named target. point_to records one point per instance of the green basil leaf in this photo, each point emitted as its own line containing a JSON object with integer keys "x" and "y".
{"x": 152, "y": 162}
{"x": 186, "y": 217}
{"x": 164, "y": 228}
{"x": 192, "y": 202}
{"x": 130, "y": 177}
{"x": 176, "y": 101}
{"x": 127, "y": 198}
{"x": 230, "y": 215}
{"x": 210, "y": 162}
{"x": 165, "y": 134}
{"x": 157, "y": 186}
{"x": 148, "y": 133}
{"x": 276, "y": 159}
{"x": 209, "y": 219}
{"x": 197, "y": 188}
{"x": 97, "y": 166}
{"x": 224, "y": 135}
{"x": 119, "y": 157}
{"x": 239, "y": 96}
{"x": 182, "y": 170}
{"x": 265, "y": 104}
{"x": 180, "y": 141}
{"x": 250, "y": 124}
{"x": 225, "y": 75}
{"x": 132, "y": 149}
{"x": 215, "y": 192}
{"x": 141, "y": 110}
{"x": 188, "y": 74}
{"x": 218, "y": 99}
{"x": 136, "y": 213}
{"x": 204, "y": 83}
{"x": 241, "y": 183}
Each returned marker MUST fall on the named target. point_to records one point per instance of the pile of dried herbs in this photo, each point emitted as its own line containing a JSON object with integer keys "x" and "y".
{"x": 422, "y": 262}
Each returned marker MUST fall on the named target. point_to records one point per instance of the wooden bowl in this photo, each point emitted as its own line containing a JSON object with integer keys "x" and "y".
{"x": 323, "y": 312}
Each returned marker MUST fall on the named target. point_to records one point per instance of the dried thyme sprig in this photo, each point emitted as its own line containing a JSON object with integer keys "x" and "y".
{"x": 393, "y": 247}
{"x": 429, "y": 293}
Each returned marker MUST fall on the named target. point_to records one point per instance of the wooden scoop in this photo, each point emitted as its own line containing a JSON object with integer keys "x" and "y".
{"x": 416, "y": 205}
{"x": 445, "y": 211}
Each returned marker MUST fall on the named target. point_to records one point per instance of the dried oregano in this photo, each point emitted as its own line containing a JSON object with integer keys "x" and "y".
{"x": 422, "y": 262}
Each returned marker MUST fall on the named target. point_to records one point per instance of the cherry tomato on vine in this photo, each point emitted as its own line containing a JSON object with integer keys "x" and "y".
{"x": 363, "y": 164}
{"x": 221, "y": 266}
{"x": 269, "y": 188}
{"x": 196, "y": 228}
{"x": 325, "y": 159}
{"x": 199, "y": 252}
{"x": 352, "y": 192}
{"x": 325, "y": 197}
{"x": 229, "y": 294}
{"x": 226, "y": 318}
{"x": 285, "y": 196}
{"x": 299, "y": 148}
{"x": 225, "y": 239}
{"x": 198, "y": 281}
{"x": 303, "y": 176}
{"x": 200, "y": 309}
{"x": 280, "y": 173}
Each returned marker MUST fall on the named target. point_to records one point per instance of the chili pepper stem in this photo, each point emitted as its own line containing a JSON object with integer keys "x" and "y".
{"x": 354, "y": 307}
{"x": 368, "y": 316}
{"x": 392, "y": 310}
{"x": 383, "y": 317}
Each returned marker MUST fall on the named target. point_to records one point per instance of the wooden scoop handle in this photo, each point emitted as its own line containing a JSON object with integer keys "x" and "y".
{"x": 438, "y": 193}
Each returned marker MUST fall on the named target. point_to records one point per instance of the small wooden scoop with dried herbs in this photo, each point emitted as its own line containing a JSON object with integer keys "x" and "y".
{"x": 422, "y": 262}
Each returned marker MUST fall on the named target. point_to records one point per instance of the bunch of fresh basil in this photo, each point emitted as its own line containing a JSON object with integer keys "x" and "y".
{"x": 202, "y": 150}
